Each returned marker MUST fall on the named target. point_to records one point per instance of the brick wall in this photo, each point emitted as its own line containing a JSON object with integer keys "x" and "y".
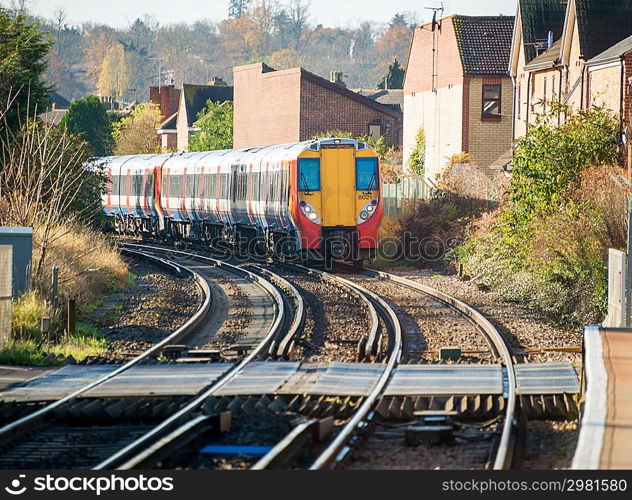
{"x": 575, "y": 70}
{"x": 323, "y": 110}
{"x": 544, "y": 88}
{"x": 489, "y": 138}
{"x": 439, "y": 110}
{"x": 520, "y": 97}
{"x": 448, "y": 69}
{"x": 275, "y": 107}
{"x": 603, "y": 87}
{"x": 440, "y": 115}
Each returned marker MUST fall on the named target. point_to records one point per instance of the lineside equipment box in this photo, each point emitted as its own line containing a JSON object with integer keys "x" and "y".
{"x": 21, "y": 239}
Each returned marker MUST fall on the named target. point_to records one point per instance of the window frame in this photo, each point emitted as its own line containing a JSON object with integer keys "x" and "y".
{"x": 484, "y": 101}
{"x": 310, "y": 188}
{"x": 377, "y": 173}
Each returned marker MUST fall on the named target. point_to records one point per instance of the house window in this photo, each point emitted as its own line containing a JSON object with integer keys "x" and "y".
{"x": 491, "y": 101}
{"x": 375, "y": 131}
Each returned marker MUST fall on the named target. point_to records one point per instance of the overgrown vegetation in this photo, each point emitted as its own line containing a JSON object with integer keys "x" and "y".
{"x": 427, "y": 229}
{"x": 215, "y": 127}
{"x": 547, "y": 244}
{"x": 47, "y": 182}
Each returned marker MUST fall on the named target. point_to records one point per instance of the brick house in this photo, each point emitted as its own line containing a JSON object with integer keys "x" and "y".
{"x": 458, "y": 91}
{"x": 193, "y": 99}
{"x": 167, "y": 98}
{"x": 539, "y": 23}
{"x": 275, "y": 107}
{"x": 563, "y": 73}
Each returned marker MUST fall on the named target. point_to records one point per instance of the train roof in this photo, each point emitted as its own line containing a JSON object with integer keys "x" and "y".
{"x": 290, "y": 150}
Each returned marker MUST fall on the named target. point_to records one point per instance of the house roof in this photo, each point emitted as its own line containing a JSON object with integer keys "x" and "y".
{"x": 53, "y": 117}
{"x": 196, "y": 97}
{"x": 602, "y": 24}
{"x": 319, "y": 80}
{"x": 613, "y": 53}
{"x": 58, "y": 101}
{"x": 547, "y": 59}
{"x": 388, "y": 97}
{"x": 484, "y": 43}
{"x": 169, "y": 123}
{"x": 538, "y": 17}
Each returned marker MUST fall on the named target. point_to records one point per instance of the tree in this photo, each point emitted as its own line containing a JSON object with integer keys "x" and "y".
{"x": 417, "y": 159}
{"x": 215, "y": 128}
{"x": 237, "y": 8}
{"x": 398, "y": 19}
{"x": 115, "y": 77}
{"x": 136, "y": 134}
{"x": 88, "y": 119}
{"x": 395, "y": 77}
{"x": 23, "y": 51}
{"x": 299, "y": 19}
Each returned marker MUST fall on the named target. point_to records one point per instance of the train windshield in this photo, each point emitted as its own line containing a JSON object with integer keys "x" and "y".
{"x": 309, "y": 174}
{"x": 366, "y": 174}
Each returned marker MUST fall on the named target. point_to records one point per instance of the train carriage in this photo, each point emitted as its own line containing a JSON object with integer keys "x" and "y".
{"x": 318, "y": 199}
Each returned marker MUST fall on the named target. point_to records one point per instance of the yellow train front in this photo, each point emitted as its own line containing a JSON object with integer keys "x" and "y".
{"x": 316, "y": 199}
{"x": 337, "y": 188}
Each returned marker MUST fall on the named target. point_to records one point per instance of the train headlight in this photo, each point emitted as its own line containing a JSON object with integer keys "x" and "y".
{"x": 309, "y": 211}
{"x": 368, "y": 211}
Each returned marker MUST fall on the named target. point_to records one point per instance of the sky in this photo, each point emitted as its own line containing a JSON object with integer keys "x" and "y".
{"x": 120, "y": 13}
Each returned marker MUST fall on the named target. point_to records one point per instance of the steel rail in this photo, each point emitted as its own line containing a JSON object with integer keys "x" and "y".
{"x": 37, "y": 416}
{"x": 336, "y": 450}
{"x": 505, "y": 448}
{"x": 283, "y": 348}
{"x": 371, "y": 347}
{"x": 125, "y": 459}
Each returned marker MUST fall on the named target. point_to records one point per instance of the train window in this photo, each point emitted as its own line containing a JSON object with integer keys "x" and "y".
{"x": 366, "y": 174}
{"x": 116, "y": 180}
{"x": 175, "y": 186}
{"x": 309, "y": 174}
{"x": 190, "y": 193}
{"x": 149, "y": 185}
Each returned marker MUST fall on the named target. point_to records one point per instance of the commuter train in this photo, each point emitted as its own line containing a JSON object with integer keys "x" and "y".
{"x": 317, "y": 199}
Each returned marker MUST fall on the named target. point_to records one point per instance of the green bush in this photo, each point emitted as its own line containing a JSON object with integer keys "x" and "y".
{"x": 547, "y": 245}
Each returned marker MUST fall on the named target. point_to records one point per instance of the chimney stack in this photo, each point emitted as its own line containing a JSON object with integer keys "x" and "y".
{"x": 336, "y": 77}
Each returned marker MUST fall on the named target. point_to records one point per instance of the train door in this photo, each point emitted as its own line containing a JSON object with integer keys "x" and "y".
{"x": 338, "y": 187}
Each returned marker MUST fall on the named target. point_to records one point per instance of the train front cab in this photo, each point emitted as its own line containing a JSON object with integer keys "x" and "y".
{"x": 339, "y": 199}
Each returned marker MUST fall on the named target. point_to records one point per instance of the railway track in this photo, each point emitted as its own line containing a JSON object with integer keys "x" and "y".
{"x": 481, "y": 325}
{"x": 66, "y": 444}
{"x": 384, "y": 342}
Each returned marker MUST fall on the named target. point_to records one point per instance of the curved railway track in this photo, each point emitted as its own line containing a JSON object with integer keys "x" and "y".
{"x": 38, "y": 430}
{"x": 371, "y": 349}
{"x": 496, "y": 342}
{"x": 384, "y": 342}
